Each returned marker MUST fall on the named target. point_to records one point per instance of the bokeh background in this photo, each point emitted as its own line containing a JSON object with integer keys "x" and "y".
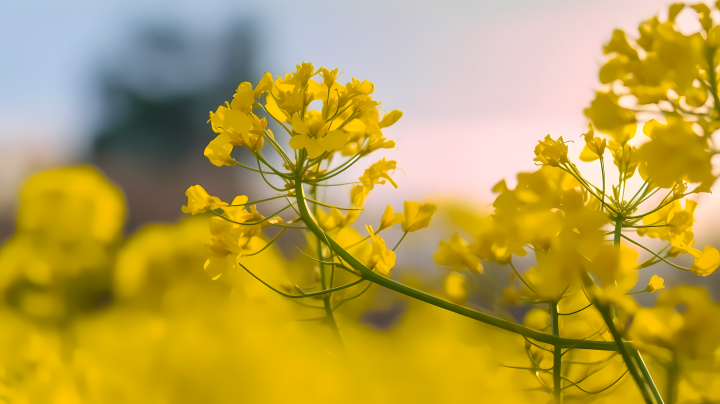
{"x": 127, "y": 86}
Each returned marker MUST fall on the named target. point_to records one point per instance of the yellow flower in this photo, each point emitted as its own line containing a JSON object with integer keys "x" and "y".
{"x": 551, "y": 152}
{"x": 375, "y": 172}
{"x": 417, "y": 215}
{"x": 220, "y": 264}
{"x": 317, "y": 141}
{"x": 238, "y": 214}
{"x": 680, "y": 220}
{"x": 302, "y": 74}
{"x": 218, "y": 151}
{"x": 610, "y": 118}
{"x": 71, "y": 203}
{"x": 336, "y": 219}
{"x": 693, "y": 332}
{"x": 199, "y": 201}
{"x": 655, "y": 283}
{"x": 244, "y": 98}
{"x": 706, "y": 262}
{"x": 232, "y": 122}
{"x": 594, "y": 146}
{"x": 381, "y": 259}
{"x": 455, "y": 288}
{"x": 231, "y": 241}
{"x": 625, "y": 158}
{"x": 265, "y": 84}
{"x": 329, "y": 76}
{"x": 457, "y": 253}
{"x": 390, "y": 118}
{"x": 675, "y": 153}
{"x": 615, "y": 267}
{"x": 358, "y": 193}
{"x": 390, "y": 218}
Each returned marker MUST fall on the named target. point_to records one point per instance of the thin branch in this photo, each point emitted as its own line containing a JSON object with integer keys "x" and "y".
{"x": 653, "y": 253}
{"x": 353, "y": 297}
{"x": 277, "y": 236}
{"x": 575, "y": 312}
{"x": 322, "y": 292}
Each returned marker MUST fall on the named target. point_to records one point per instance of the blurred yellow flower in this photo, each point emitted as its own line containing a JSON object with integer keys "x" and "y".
{"x": 417, "y": 215}
{"x": 457, "y": 253}
{"x": 455, "y": 288}
{"x": 390, "y": 118}
{"x": 594, "y": 146}
{"x": 336, "y": 219}
{"x": 71, "y": 203}
{"x": 610, "y": 118}
{"x": 358, "y": 193}
{"x": 675, "y": 154}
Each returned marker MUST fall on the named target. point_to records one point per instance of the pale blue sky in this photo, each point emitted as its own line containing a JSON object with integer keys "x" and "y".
{"x": 483, "y": 79}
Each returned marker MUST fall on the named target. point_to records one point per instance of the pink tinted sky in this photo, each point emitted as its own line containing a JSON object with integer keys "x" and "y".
{"x": 479, "y": 82}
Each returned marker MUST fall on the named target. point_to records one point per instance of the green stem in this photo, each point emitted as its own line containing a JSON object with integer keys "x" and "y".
{"x": 522, "y": 279}
{"x": 605, "y": 311}
{"x": 261, "y": 200}
{"x": 641, "y": 377}
{"x": 436, "y": 301}
{"x": 274, "y": 239}
{"x": 557, "y": 355}
{"x": 327, "y": 205}
{"x": 326, "y": 298}
{"x": 618, "y": 230}
{"x": 646, "y": 373}
{"x": 401, "y": 239}
{"x": 602, "y": 168}
{"x": 363, "y": 239}
{"x": 303, "y": 295}
{"x": 653, "y": 253}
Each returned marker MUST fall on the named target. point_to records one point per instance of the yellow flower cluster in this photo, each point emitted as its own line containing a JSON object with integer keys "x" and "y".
{"x": 68, "y": 226}
{"x": 664, "y": 71}
{"x": 585, "y": 237}
{"x": 346, "y": 119}
{"x": 86, "y": 312}
{"x": 323, "y": 118}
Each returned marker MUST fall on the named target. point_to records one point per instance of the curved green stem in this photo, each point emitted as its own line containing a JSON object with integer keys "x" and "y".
{"x": 304, "y": 295}
{"x": 261, "y": 200}
{"x": 381, "y": 280}
{"x": 653, "y": 253}
{"x": 274, "y": 239}
{"x": 576, "y": 311}
{"x": 641, "y": 377}
{"x": 251, "y": 223}
{"x": 522, "y": 279}
{"x": 400, "y": 241}
{"x": 353, "y": 297}
{"x": 327, "y": 205}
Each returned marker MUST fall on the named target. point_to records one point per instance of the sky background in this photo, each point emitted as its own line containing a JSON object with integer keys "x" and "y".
{"x": 479, "y": 82}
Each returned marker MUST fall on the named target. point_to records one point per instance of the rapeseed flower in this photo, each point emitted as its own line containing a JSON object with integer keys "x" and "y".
{"x": 417, "y": 215}
{"x": 381, "y": 258}
{"x": 199, "y": 201}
